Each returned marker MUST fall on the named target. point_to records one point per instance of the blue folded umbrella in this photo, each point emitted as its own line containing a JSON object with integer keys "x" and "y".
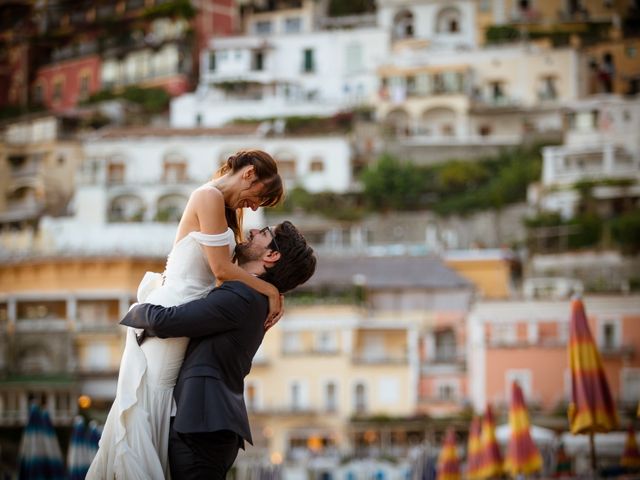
{"x": 40, "y": 456}
{"x": 78, "y": 456}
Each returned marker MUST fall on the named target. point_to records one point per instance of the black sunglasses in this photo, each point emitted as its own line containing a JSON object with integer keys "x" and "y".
{"x": 273, "y": 237}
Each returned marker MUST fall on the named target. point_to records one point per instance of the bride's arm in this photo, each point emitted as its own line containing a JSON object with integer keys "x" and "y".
{"x": 209, "y": 208}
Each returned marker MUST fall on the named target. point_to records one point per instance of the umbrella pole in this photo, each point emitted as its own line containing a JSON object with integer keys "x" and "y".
{"x": 592, "y": 448}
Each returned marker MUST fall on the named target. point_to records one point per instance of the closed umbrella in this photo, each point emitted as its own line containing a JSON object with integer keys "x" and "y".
{"x": 631, "y": 455}
{"x": 490, "y": 455}
{"x": 78, "y": 460}
{"x": 592, "y": 408}
{"x": 39, "y": 455}
{"x": 93, "y": 439}
{"x": 522, "y": 456}
{"x": 474, "y": 448}
{"x": 448, "y": 466}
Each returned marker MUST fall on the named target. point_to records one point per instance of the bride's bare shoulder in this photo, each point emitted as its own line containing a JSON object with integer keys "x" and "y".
{"x": 207, "y": 195}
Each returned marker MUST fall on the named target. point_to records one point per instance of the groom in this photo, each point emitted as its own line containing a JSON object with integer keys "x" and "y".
{"x": 226, "y": 329}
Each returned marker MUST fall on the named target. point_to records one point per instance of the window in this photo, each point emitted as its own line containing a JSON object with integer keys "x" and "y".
{"x": 497, "y": 90}
{"x": 83, "y": 91}
{"x": 448, "y": 21}
{"x": 257, "y": 61}
{"x": 403, "y": 24}
{"x": 445, "y": 345}
{"x": 447, "y": 390}
{"x": 292, "y": 25}
{"x": 317, "y": 165}
{"x": 38, "y": 94}
{"x": 98, "y": 356}
{"x": 174, "y": 171}
{"x": 326, "y": 342}
{"x": 57, "y": 91}
{"x": 308, "y": 63}
{"x": 548, "y": 89}
{"x": 298, "y": 395}
{"x": 485, "y": 5}
{"x": 331, "y": 397}
{"x": 360, "y": 397}
{"x": 212, "y": 61}
{"x": 503, "y": 334}
{"x": 610, "y": 334}
{"x": 115, "y": 172}
{"x": 631, "y": 52}
{"x": 262, "y": 27}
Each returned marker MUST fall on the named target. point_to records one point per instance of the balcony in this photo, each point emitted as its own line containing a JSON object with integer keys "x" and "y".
{"x": 41, "y": 325}
{"x": 21, "y": 210}
{"x": 618, "y": 351}
{"x": 384, "y": 359}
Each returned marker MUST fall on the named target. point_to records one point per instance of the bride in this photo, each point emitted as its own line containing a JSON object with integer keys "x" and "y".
{"x": 134, "y": 443}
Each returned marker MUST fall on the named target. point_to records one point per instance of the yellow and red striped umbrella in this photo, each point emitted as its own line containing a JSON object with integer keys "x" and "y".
{"x": 448, "y": 462}
{"x": 474, "y": 447}
{"x": 631, "y": 455}
{"x": 490, "y": 455}
{"x": 522, "y": 456}
{"x": 592, "y": 408}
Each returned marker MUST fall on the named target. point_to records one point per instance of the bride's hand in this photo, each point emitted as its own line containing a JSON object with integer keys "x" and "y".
{"x": 276, "y": 310}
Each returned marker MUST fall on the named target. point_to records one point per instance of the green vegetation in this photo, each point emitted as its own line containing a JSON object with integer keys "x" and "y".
{"x": 175, "y": 8}
{"x": 152, "y": 100}
{"x": 626, "y": 231}
{"x": 339, "y": 8}
{"x": 307, "y": 125}
{"x": 456, "y": 186}
{"x": 558, "y": 34}
{"x": 453, "y": 187}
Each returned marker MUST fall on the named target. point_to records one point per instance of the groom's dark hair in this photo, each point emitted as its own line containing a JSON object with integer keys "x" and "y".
{"x": 297, "y": 261}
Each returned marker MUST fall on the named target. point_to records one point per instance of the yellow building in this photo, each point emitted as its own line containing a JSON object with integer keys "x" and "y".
{"x": 59, "y": 332}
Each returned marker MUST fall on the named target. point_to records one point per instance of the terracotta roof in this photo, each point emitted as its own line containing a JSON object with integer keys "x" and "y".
{"x": 424, "y": 272}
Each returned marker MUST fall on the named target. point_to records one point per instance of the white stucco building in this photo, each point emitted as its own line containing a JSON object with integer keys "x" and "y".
{"x": 135, "y": 183}
{"x": 440, "y": 23}
{"x": 488, "y": 95}
{"x": 284, "y": 66}
{"x": 602, "y": 146}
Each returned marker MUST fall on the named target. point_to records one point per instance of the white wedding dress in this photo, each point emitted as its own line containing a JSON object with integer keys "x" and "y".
{"x": 135, "y": 438}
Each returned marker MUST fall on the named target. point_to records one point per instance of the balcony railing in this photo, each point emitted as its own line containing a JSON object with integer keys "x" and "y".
{"x": 626, "y": 351}
{"x": 380, "y": 359}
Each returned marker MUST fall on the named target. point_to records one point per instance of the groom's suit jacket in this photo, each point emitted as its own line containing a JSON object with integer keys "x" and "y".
{"x": 226, "y": 329}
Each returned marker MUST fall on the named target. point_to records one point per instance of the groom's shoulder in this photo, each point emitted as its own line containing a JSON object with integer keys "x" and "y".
{"x": 239, "y": 289}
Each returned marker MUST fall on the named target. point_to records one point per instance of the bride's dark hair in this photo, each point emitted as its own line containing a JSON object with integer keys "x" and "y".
{"x": 266, "y": 171}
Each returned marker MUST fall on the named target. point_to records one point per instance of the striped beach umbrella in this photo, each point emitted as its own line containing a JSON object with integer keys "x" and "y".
{"x": 522, "y": 456}
{"x": 39, "y": 455}
{"x": 490, "y": 455}
{"x": 448, "y": 466}
{"x": 474, "y": 448}
{"x": 78, "y": 455}
{"x": 93, "y": 439}
{"x": 592, "y": 408}
{"x": 631, "y": 455}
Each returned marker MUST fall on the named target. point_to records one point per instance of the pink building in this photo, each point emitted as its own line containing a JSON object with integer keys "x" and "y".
{"x": 526, "y": 340}
{"x": 61, "y": 86}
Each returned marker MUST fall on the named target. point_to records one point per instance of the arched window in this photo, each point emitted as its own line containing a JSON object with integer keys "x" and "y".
{"x": 170, "y": 207}
{"x": 397, "y": 122}
{"x": 126, "y": 208}
{"x": 403, "y": 25}
{"x": 116, "y": 169}
{"x": 438, "y": 121}
{"x": 449, "y": 21}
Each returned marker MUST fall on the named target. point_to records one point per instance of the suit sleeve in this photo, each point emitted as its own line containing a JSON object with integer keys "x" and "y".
{"x": 221, "y": 311}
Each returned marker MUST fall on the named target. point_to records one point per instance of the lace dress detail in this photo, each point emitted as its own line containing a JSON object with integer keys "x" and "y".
{"x": 135, "y": 438}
